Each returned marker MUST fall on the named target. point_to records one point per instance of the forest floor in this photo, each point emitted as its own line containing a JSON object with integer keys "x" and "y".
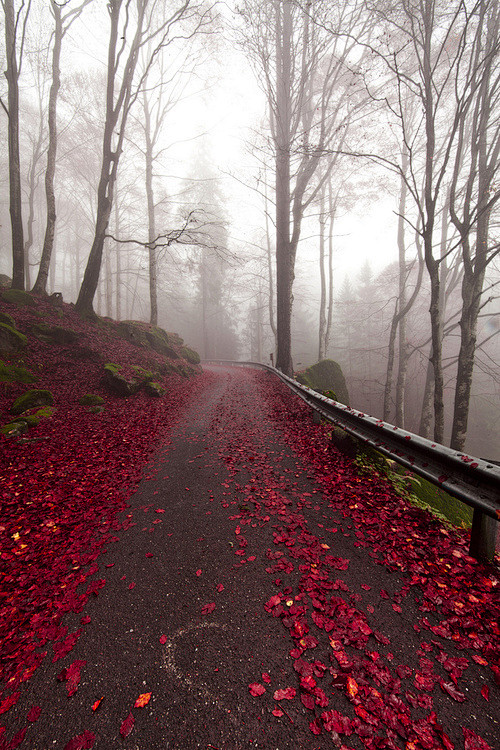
{"x": 254, "y": 591}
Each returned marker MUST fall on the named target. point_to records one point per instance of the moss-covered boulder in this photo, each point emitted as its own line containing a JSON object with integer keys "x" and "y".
{"x": 143, "y": 375}
{"x": 11, "y": 340}
{"x": 154, "y": 389}
{"x": 148, "y": 336}
{"x": 8, "y": 319}
{"x": 15, "y": 374}
{"x": 55, "y": 334}
{"x": 30, "y": 399}
{"x": 90, "y": 399}
{"x": 324, "y": 376}
{"x": 116, "y": 383}
{"x": 19, "y": 298}
{"x": 5, "y": 281}
{"x": 190, "y": 355}
{"x": 14, "y": 429}
{"x": 31, "y": 419}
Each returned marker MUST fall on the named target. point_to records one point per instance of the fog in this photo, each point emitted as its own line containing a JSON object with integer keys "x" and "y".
{"x": 206, "y": 107}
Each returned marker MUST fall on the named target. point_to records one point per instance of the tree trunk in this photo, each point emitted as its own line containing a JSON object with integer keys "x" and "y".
{"x": 15, "y": 197}
{"x": 48, "y": 242}
{"x": 284, "y": 260}
{"x": 426, "y": 414}
{"x": 322, "y": 276}
{"x": 153, "y": 293}
{"x": 118, "y": 265}
{"x": 402, "y": 349}
{"x": 390, "y": 365}
{"x": 270, "y": 268}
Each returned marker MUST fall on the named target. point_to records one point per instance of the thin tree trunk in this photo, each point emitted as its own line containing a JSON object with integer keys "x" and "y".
{"x": 43, "y": 271}
{"x": 322, "y": 276}
{"x": 329, "y": 315}
{"x": 118, "y": 265}
{"x": 426, "y": 414}
{"x": 153, "y": 293}
{"x": 391, "y": 348}
{"x": 15, "y": 196}
{"x": 109, "y": 281}
{"x": 402, "y": 348}
{"x": 270, "y": 268}
{"x": 284, "y": 264}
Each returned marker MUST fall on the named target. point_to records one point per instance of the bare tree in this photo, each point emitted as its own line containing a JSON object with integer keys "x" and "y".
{"x": 133, "y": 27}
{"x": 474, "y": 194}
{"x": 62, "y": 23}
{"x": 15, "y": 34}
{"x": 306, "y": 73}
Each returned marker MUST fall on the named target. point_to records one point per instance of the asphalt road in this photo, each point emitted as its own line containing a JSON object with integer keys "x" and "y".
{"x": 180, "y": 552}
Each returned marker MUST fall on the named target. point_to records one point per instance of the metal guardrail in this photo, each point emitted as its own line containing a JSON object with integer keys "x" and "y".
{"x": 471, "y": 480}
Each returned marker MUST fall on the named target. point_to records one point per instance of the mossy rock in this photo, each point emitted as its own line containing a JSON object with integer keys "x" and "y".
{"x": 7, "y": 319}
{"x": 14, "y": 429}
{"x": 46, "y": 412}
{"x": 324, "y": 376}
{"x": 11, "y": 340}
{"x": 118, "y": 384}
{"x": 192, "y": 357}
{"x": 145, "y": 376}
{"x": 5, "y": 281}
{"x": 90, "y": 399}
{"x": 96, "y": 409}
{"x": 148, "y": 336}
{"x": 19, "y": 298}
{"x": 30, "y": 419}
{"x": 154, "y": 389}
{"x": 31, "y": 399}
{"x": 55, "y": 334}
{"x": 14, "y": 374}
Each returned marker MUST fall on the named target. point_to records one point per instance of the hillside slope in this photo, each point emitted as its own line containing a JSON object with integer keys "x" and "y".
{"x": 64, "y": 479}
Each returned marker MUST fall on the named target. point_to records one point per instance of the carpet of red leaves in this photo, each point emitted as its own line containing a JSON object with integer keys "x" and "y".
{"x": 336, "y": 646}
{"x": 63, "y": 483}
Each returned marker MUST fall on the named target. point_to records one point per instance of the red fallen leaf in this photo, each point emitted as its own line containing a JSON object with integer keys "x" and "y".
{"x": 85, "y": 620}
{"x": 266, "y": 677}
{"x": 207, "y": 608}
{"x": 9, "y": 702}
{"x": 449, "y": 687}
{"x": 131, "y": 585}
{"x": 307, "y": 700}
{"x": 315, "y": 727}
{"x": 17, "y": 738}
{"x": 149, "y": 554}
{"x": 127, "y": 725}
{"x": 160, "y": 510}
{"x": 365, "y": 586}
{"x": 83, "y": 741}
{"x": 220, "y": 587}
{"x": 256, "y": 688}
{"x": 485, "y": 692}
{"x": 286, "y": 693}
{"x": 352, "y": 687}
{"x": 96, "y": 705}
{"x": 277, "y": 712}
{"x": 72, "y": 675}
{"x": 473, "y": 741}
{"x": 142, "y": 700}
{"x": 273, "y": 602}
{"x": 34, "y": 713}
{"x": 198, "y": 572}
{"x": 308, "y": 683}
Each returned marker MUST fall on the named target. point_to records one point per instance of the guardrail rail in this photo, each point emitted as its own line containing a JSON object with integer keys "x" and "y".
{"x": 471, "y": 480}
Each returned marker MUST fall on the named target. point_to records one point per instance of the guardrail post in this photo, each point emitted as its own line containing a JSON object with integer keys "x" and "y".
{"x": 482, "y": 536}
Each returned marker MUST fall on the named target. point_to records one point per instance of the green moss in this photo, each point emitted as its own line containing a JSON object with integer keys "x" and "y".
{"x": 192, "y": 357}
{"x": 45, "y": 412}
{"x": 19, "y": 298}
{"x": 13, "y": 429}
{"x": 55, "y": 334}
{"x": 14, "y": 374}
{"x": 146, "y": 376}
{"x": 91, "y": 399}
{"x": 8, "y": 319}
{"x": 31, "y": 399}
{"x": 324, "y": 376}
{"x": 30, "y": 419}
{"x": 96, "y": 409}
{"x": 154, "y": 389}
{"x": 11, "y": 340}
{"x": 111, "y": 367}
